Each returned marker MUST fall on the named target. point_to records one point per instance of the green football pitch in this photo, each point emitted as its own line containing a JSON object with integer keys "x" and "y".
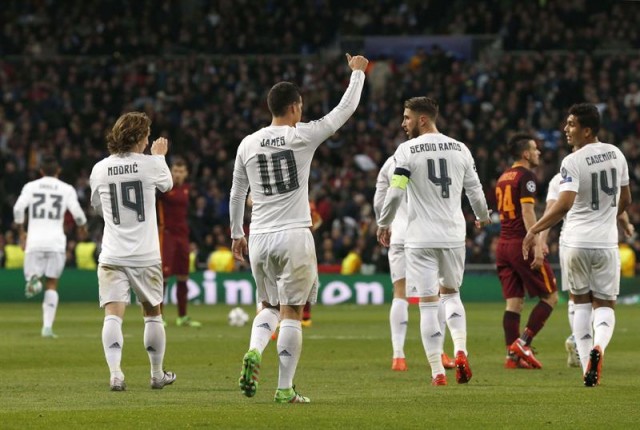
{"x": 344, "y": 369}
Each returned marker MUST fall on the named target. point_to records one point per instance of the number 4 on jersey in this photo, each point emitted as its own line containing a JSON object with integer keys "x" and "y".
{"x": 444, "y": 180}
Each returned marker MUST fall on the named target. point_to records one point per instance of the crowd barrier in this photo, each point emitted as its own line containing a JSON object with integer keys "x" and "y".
{"x": 238, "y": 288}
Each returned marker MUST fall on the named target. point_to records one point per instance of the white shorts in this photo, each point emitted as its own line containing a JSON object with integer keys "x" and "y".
{"x": 116, "y": 282}
{"x": 428, "y": 269}
{"x": 592, "y": 270}
{"x": 284, "y": 266}
{"x": 397, "y": 263}
{"x": 563, "y": 273}
{"x": 44, "y": 263}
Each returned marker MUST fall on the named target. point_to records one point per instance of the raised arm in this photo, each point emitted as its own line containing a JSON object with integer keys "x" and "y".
{"x": 318, "y": 131}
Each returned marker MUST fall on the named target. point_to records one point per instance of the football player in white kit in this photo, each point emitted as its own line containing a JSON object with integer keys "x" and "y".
{"x": 433, "y": 169}
{"x": 275, "y": 162}
{"x": 47, "y": 199}
{"x": 123, "y": 191}
{"x": 399, "y": 312}
{"x": 594, "y": 190}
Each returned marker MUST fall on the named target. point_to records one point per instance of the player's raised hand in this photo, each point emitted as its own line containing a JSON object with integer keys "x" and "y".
{"x": 357, "y": 62}
{"x": 239, "y": 248}
{"x": 160, "y": 146}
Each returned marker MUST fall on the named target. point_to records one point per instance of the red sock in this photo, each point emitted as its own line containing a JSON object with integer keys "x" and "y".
{"x": 306, "y": 312}
{"x": 539, "y": 315}
{"x": 181, "y": 295}
{"x": 511, "y": 325}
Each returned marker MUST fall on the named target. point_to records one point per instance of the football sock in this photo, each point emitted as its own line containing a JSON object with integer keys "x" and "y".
{"x": 264, "y": 324}
{"x": 306, "y": 312}
{"x": 181, "y": 296}
{"x": 456, "y": 320}
{"x": 570, "y": 313}
{"x": 289, "y": 348}
{"x": 442, "y": 318}
{"x": 155, "y": 342}
{"x": 432, "y": 336}
{"x": 604, "y": 320}
{"x": 511, "y": 326}
{"x": 539, "y": 315}
{"x": 112, "y": 342}
{"x": 398, "y": 319}
{"x": 583, "y": 331}
{"x": 49, "y": 307}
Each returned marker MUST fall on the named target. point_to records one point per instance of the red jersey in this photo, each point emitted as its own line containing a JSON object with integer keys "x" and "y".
{"x": 515, "y": 186}
{"x": 173, "y": 209}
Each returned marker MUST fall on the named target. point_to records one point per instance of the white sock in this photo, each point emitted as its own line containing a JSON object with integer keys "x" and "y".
{"x": 583, "y": 332}
{"x": 604, "y": 321}
{"x": 112, "y": 342}
{"x": 442, "y": 318}
{"x": 49, "y": 307}
{"x": 571, "y": 313}
{"x": 289, "y": 349}
{"x": 264, "y": 324}
{"x": 155, "y": 341}
{"x": 398, "y": 320}
{"x": 432, "y": 337}
{"x": 456, "y": 320}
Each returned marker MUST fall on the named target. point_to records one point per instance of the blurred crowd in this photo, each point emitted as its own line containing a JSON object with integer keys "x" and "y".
{"x": 153, "y": 27}
{"x": 206, "y": 105}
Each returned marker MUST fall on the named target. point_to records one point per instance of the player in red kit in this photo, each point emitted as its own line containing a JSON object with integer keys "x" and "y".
{"x": 173, "y": 208}
{"x": 515, "y": 195}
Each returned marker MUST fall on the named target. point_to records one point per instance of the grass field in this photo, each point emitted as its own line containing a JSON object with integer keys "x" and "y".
{"x": 344, "y": 369}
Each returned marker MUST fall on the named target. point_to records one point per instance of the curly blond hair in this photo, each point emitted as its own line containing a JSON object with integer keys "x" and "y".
{"x": 128, "y": 130}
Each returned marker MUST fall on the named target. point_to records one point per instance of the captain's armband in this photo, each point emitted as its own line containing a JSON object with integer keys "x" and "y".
{"x": 399, "y": 181}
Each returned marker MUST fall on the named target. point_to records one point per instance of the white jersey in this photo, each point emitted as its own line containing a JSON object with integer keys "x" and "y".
{"x": 554, "y": 187}
{"x": 595, "y": 172}
{"x": 399, "y": 224}
{"x": 123, "y": 189}
{"x": 47, "y": 199}
{"x": 275, "y": 162}
{"x": 439, "y": 167}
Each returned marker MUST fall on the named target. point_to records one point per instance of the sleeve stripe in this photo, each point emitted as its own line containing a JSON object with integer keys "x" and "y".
{"x": 527, "y": 200}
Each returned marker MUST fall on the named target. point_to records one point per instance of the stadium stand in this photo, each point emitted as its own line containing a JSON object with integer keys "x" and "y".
{"x": 68, "y": 69}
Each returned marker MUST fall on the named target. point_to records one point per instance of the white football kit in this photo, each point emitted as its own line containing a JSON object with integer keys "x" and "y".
{"x": 274, "y": 162}
{"x": 47, "y": 200}
{"x": 589, "y": 239}
{"x": 438, "y": 168}
{"x": 123, "y": 190}
{"x": 397, "y": 263}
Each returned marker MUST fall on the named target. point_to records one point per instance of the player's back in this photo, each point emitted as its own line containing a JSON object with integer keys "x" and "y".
{"x": 47, "y": 200}
{"x": 124, "y": 186}
{"x": 595, "y": 172}
{"x": 440, "y": 168}
{"x": 277, "y": 161}
{"x": 517, "y": 185}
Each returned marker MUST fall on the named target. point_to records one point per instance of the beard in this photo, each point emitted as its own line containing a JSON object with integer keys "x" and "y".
{"x": 413, "y": 132}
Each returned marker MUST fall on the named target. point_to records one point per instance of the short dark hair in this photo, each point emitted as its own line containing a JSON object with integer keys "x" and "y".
{"x": 282, "y": 95}
{"x": 128, "y": 130}
{"x": 423, "y": 105}
{"x": 519, "y": 143}
{"x": 587, "y": 115}
{"x": 179, "y": 162}
{"x": 49, "y": 165}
